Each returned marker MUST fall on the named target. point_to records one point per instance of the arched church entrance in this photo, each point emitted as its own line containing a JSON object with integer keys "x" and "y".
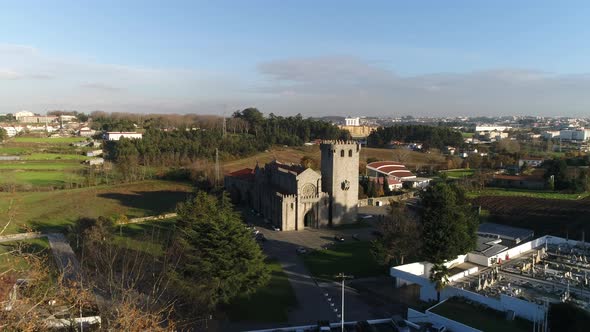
{"x": 309, "y": 219}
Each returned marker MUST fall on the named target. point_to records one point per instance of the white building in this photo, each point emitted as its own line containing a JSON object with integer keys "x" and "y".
{"x": 117, "y": 135}
{"x": 508, "y": 272}
{"x": 578, "y": 134}
{"x": 12, "y": 131}
{"x": 353, "y": 121}
{"x": 21, "y": 114}
{"x": 550, "y": 134}
{"x": 491, "y": 128}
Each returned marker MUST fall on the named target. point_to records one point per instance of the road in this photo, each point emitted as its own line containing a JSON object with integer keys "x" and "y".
{"x": 60, "y": 248}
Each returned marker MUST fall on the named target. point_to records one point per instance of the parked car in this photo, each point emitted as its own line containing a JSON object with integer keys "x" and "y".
{"x": 301, "y": 251}
{"x": 339, "y": 238}
{"x": 255, "y": 231}
{"x": 260, "y": 237}
{"x": 275, "y": 228}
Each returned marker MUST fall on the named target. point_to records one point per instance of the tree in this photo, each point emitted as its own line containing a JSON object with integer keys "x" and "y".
{"x": 401, "y": 236}
{"x": 218, "y": 258}
{"x": 449, "y": 223}
{"x": 386, "y": 190}
{"x": 439, "y": 275}
{"x": 3, "y": 134}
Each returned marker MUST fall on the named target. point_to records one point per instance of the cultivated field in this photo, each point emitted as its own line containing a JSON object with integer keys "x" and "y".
{"x": 559, "y": 217}
{"x": 45, "y": 163}
{"x": 515, "y": 192}
{"x": 56, "y": 209}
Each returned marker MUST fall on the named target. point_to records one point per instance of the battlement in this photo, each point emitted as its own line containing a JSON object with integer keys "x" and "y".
{"x": 338, "y": 142}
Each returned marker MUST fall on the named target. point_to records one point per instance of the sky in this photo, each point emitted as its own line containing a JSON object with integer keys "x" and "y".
{"x": 348, "y": 58}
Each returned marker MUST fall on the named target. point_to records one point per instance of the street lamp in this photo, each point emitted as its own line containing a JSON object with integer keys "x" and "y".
{"x": 342, "y": 277}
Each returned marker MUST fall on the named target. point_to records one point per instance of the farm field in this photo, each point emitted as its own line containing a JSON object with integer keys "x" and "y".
{"x": 514, "y": 192}
{"x": 45, "y": 163}
{"x": 55, "y": 210}
{"x": 558, "y": 217}
{"x": 47, "y": 140}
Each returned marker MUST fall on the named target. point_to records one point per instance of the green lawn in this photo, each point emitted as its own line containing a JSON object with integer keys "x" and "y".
{"x": 49, "y": 140}
{"x": 467, "y": 135}
{"x": 352, "y": 258}
{"x": 55, "y": 179}
{"x": 547, "y": 194}
{"x": 54, "y": 210}
{"x": 480, "y": 317}
{"x": 459, "y": 173}
{"x": 271, "y": 303}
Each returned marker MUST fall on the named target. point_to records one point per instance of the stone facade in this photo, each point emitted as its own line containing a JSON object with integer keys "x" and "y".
{"x": 293, "y": 197}
{"x": 340, "y": 174}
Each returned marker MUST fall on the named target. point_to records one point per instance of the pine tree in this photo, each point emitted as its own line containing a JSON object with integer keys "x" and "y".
{"x": 218, "y": 258}
{"x": 449, "y": 223}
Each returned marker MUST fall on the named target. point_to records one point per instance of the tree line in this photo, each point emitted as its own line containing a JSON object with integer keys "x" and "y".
{"x": 429, "y": 136}
{"x": 248, "y": 132}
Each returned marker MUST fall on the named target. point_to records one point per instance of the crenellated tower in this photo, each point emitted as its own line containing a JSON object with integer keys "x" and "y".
{"x": 340, "y": 179}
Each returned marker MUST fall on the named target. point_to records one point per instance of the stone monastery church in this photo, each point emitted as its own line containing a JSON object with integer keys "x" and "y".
{"x": 293, "y": 197}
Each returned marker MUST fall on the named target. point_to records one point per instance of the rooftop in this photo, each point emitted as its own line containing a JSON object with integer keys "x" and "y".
{"x": 505, "y": 232}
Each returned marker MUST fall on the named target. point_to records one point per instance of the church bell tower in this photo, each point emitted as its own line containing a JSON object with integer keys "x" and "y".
{"x": 340, "y": 179}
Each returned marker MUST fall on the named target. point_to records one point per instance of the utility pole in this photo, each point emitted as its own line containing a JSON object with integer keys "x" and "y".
{"x": 342, "y": 276}
{"x": 216, "y": 168}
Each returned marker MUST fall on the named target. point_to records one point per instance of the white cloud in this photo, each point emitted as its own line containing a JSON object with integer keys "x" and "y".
{"x": 9, "y": 74}
{"x": 342, "y": 85}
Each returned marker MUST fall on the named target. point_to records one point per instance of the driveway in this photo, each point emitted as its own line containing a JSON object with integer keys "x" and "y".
{"x": 317, "y": 300}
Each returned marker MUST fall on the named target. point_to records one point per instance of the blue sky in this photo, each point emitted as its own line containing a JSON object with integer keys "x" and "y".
{"x": 313, "y": 57}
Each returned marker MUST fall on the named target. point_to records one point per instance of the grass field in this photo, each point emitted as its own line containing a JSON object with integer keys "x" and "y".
{"x": 56, "y": 209}
{"x": 467, "y": 135}
{"x": 459, "y": 173}
{"x": 480, "y": 317}
{"x": 45, "y": 162}
{"x": 12, "y": 151}
{"x": 269, "y": 304}
{"x": 352, "y": 258}
{"x": 545, "y": 194}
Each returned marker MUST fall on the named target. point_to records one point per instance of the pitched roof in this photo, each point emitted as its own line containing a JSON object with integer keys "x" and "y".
{"x": 245, "y": 174}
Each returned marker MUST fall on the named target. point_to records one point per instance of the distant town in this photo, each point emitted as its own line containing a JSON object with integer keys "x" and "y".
{"x": 389, "y": 224}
